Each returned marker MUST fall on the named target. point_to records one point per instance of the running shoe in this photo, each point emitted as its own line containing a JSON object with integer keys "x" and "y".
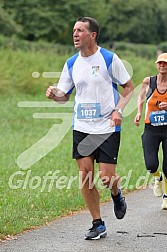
{"x": 97, "y": 231}
{"x": 164, "y": 203}
{"x": 120, "y": 205}
{"x": 158, "y": 191}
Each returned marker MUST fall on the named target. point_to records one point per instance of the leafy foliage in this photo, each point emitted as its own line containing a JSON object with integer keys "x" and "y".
{"x": 137, "y": 21}
{"x": 7, "y": 24}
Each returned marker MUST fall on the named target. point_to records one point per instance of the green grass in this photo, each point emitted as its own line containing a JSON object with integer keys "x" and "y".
{"x": 32, "y": 203}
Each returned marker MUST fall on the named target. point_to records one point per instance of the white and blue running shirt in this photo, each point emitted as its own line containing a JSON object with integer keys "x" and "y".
{"x": 96, "y": 79}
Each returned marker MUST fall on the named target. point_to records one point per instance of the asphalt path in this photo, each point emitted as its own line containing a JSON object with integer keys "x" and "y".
{"x": 144, "y": 228}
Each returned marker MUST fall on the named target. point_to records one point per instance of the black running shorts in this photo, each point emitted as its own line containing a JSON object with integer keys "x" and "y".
{"x": 103, "y": 147}
{"x": 152, "y": 137}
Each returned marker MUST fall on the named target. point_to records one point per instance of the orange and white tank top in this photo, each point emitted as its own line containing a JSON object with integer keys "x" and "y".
{"x": 153, "y": 99}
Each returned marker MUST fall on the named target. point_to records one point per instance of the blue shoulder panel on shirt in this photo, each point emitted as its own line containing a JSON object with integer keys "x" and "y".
{"x": 107, "y": 55}
{"x": 70, "y": 63}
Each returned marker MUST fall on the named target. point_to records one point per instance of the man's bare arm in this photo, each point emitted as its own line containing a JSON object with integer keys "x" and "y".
{"x": 141, "y": 99}
{"x": 57, "y": 95}
{"x": 116, "y": 117}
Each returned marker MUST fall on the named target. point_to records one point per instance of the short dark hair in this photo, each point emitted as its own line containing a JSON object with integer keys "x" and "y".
{"x": 93, "y": 25}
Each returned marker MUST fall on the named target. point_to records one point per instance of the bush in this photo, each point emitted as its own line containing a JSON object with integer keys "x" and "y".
{"x": 15, "y": 44}
{"x": 147, "y": 51}
{"x": 163, "y": 46}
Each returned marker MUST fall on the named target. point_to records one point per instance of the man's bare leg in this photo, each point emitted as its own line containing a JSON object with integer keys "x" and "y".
{"x": 89, "y": 190}
{"x": 113, "y": 183}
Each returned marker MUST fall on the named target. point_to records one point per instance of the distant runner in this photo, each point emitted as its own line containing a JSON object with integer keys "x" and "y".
{"x": 154, "y": 89}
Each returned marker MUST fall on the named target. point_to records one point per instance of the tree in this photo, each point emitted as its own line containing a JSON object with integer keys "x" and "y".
{"x": 52, "y": 20}
{"x": 136, "y": 21}
{"x": 7, "y": 24}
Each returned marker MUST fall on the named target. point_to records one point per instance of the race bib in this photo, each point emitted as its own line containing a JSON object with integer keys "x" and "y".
{"x": 88, "y": 111}
{"x": 158, "y": 118}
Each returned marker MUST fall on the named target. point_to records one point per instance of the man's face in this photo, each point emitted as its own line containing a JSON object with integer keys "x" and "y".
{"x": 82, "y": 37}
{"x": 162, "y": 67}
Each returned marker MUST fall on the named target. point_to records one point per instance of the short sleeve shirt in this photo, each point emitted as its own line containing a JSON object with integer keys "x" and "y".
{"x": 96, "y": 79}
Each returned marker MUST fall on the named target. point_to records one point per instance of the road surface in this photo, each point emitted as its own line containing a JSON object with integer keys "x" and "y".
{"x": 143, "y": 229}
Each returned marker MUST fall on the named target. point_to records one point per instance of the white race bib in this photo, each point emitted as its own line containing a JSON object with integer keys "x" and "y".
{"x": 88, "y": 111}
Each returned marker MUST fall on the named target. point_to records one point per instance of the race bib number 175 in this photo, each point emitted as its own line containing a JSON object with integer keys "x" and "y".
{"x": 158, "y": 118}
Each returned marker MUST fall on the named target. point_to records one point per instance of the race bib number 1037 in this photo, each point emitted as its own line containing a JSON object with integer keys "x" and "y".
{"x": 88, "y": 111}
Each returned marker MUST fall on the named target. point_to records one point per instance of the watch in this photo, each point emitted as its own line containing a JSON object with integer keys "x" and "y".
{"x": 120, "y": 111}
